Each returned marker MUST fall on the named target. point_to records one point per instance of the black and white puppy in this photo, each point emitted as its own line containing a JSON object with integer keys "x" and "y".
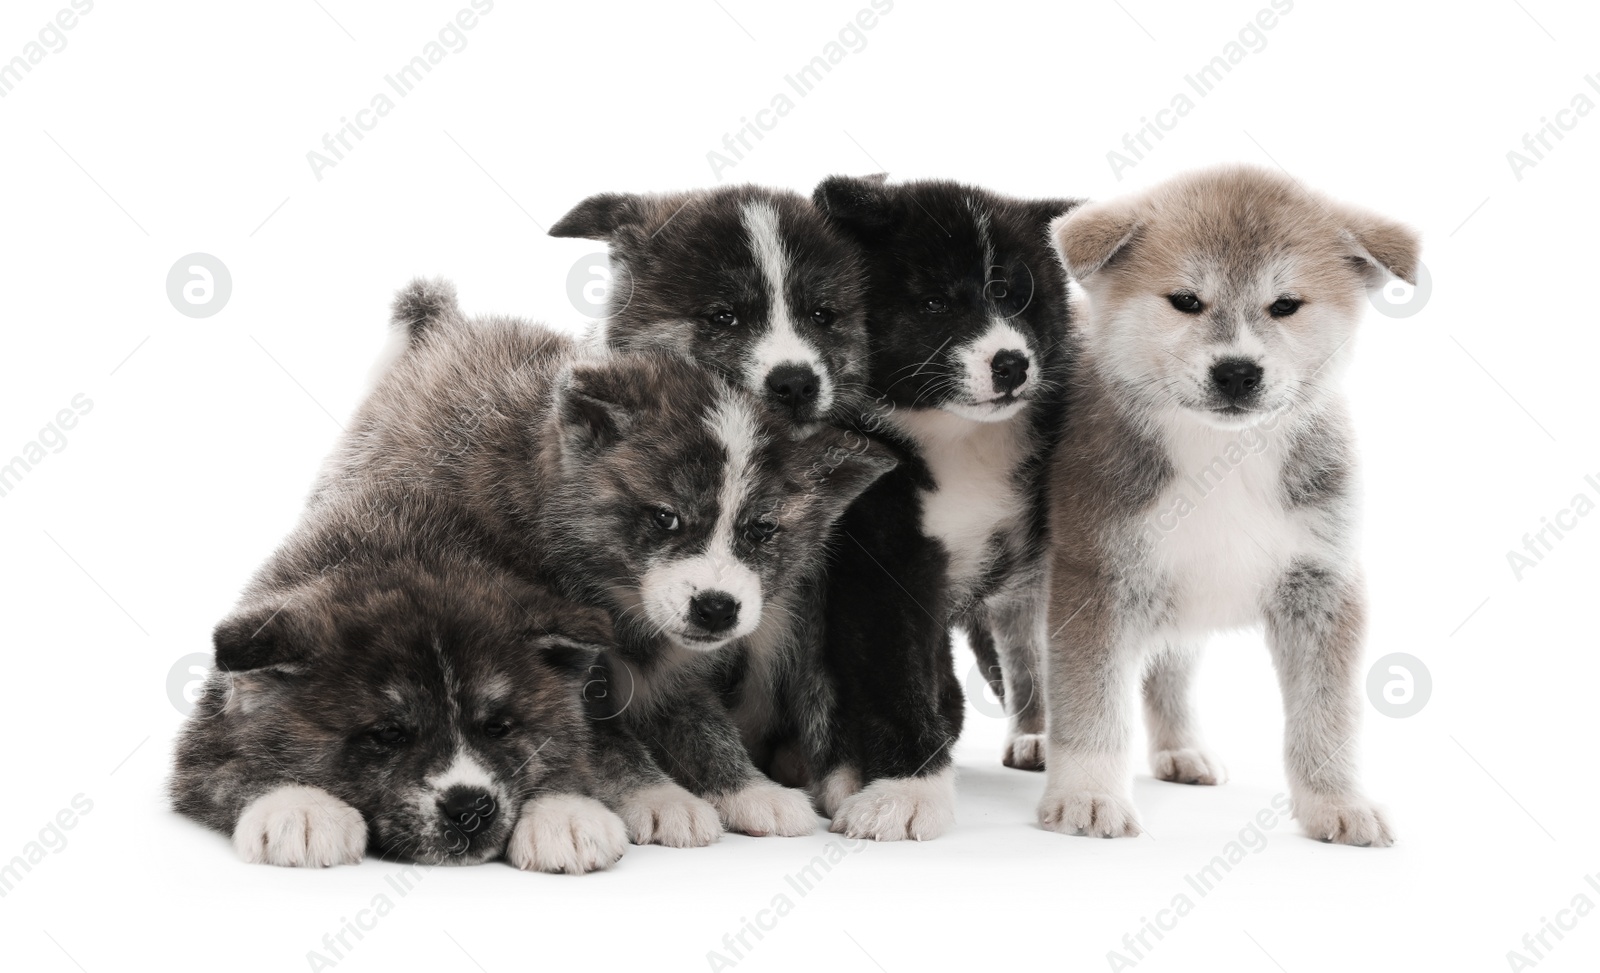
{"x": 747, "y": 280}
{"x": 755, "y": 284}
{"x": 967, "y": 320}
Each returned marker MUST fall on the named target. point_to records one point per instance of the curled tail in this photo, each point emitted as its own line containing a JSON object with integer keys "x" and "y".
{"x": 422, "y": 306}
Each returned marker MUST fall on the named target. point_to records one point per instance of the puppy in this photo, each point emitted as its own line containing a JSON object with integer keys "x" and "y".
{"x": 415, "y": 702}
{"x": 1206, "y": 482}
{"x": 746, "y": 280}
{"x": 966, "y": 312}
{"x": 640, "y": 483}
{"x": 755, "y": 284}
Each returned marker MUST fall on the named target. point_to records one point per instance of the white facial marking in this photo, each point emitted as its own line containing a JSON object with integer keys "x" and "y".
{"x": 981, "y": 398}
{"x": 668, "y": 588}
{"x": 464, "y": 771}
{"x": 782, "y": 344}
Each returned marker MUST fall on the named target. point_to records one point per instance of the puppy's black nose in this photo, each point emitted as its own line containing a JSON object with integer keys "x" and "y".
{"x": 1236, "y": 378}
{"x": 793, "y": 386}
{"x": 1009, "y": 370}
{"x": 714, "y": 611}
{"x": 467, "y": 809}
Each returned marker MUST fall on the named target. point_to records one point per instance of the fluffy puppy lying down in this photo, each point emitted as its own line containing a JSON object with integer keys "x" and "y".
{"x": 382, "y": 687}
{"x": 1206, "y": 482}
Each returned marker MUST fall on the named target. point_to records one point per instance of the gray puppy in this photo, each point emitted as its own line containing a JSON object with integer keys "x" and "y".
{"x": 382, "y": 687}
{"x": 1206, "y": 482}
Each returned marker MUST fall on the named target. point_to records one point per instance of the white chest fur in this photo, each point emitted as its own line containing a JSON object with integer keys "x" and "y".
{"x": 974, "y": 467}
{"x": 1221, "y": 532}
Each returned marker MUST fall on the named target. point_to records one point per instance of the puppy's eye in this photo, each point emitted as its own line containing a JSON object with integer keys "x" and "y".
{"x": 761, "y": 529}
{"x": 822, "y": 317}
{"x": 665, "y": 519}
{"x": 936, "y": 305}
{"x": 1186, "y": 302}
{"x": 1284, "y": 306}
{"x": 497, "y": 728}
{"x": 723, "y": 319}
{"x": 389, "y": 734}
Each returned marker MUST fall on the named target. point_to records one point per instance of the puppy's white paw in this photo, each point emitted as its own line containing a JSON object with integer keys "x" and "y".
{"x": 764, "y": 808}
{"x": 1024, "y": 751}
{"x": 300, "y": 826}
{"x": 669, "y": 815}
{"x": 840, "y": 784}
{"x": 1348, "y": 820}
{"x": 566, "y": 833}
{"x": 897, "y": 808}
{"x": 1191, "y": 765}
{"x": 1086, "y": 813}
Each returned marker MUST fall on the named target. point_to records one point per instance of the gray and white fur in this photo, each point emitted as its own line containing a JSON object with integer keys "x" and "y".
{"x": 1206, "y": 482}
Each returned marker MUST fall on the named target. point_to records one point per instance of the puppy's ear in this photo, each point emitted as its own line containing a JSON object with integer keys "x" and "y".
{"x": 862, "y": 204}
{"x": 600, "y": 216}
{"x": 594, "y": 405}
{"x": 1088, "y": 236}
{"x": 569, "y": 658}
{"x": 1043, "y": 212}
{"x": 841, "y": 464}
{"x": 1387, "y": 247}
{"x": 276, "y": 634}
{"x": 620, "y": 219}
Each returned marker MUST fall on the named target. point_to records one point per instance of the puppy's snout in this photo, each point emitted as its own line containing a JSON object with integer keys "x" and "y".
{"x": 714, "y": 611}
{"x": 1009, "y": 369}
{"x": 1236, "y": 378}
{"x": 467, "y": 809}
{"x": 794, "y": 387}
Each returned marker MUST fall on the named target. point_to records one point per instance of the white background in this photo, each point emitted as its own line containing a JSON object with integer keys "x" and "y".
{"x": 166, "y": 129}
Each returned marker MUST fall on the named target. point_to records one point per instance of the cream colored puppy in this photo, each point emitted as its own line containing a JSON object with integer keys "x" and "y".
{"x": 1206, "y": 482}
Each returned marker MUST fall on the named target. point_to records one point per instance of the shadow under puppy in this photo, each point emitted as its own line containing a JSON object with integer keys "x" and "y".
{"x": 1206, "y": 482}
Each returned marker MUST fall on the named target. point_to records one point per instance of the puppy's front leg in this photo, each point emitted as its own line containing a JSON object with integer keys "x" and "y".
{"x": 1176, "y": 751}
{"x": 1092, "y": 674}
{"x": 1316, "y": 623}
{"x": 695, "y": 740}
